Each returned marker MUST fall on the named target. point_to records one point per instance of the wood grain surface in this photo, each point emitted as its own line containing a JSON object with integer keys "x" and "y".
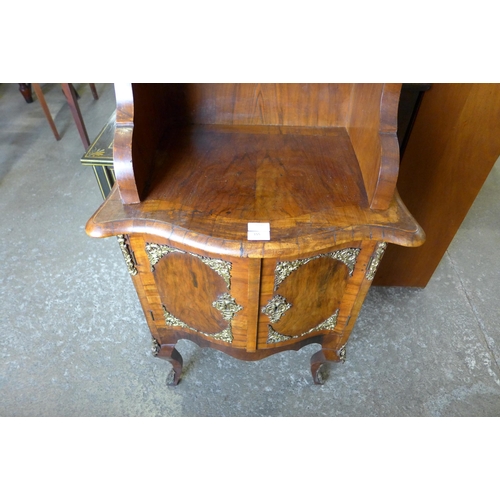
{"x": 187, "y": 288}
{"x": 454, "y": 143}
{"x": 315, "y": 292}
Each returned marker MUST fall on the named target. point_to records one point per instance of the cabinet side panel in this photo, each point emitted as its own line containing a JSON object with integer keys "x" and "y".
{"x": 372, "y": 128}
{"x": 122, "y": 144}
{"x": 150, "y": 112}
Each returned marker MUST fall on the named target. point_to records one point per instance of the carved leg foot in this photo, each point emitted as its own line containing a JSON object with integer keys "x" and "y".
{"x": 317, "y": 361}
{"x": 169, "y": 353}
{"x": 322, "y": 357}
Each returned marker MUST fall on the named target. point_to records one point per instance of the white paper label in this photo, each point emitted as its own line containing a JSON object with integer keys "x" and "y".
{"x": 259, "y": 231}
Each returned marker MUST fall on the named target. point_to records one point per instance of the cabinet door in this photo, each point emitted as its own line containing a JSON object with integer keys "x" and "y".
{"x": 195, "y": 294}
{"x": 306, "y": 297}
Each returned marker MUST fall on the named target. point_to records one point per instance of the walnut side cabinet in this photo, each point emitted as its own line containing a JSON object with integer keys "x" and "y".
{"x": 196, "y": 163}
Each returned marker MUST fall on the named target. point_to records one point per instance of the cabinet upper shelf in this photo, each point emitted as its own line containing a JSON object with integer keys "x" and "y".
{"x": 257, "y": 173}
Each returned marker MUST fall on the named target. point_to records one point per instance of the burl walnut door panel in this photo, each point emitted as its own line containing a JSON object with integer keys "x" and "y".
{"x": 306, "y": 297}
{"x": 194, "y": 291}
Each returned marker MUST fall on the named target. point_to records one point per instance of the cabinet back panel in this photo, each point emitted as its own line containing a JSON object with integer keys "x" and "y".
{"x": 294, "y": 104}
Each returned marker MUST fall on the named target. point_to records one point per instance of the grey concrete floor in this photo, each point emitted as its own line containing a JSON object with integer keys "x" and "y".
{"x": 74, "y": 342}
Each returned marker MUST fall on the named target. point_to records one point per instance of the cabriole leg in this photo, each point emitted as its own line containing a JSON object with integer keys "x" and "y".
{"x": 169, "y": 353}
{"x": 322, "y": 357}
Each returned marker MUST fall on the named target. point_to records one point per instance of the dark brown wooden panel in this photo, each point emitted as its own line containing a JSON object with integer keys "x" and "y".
{"x": 453, "y": 146}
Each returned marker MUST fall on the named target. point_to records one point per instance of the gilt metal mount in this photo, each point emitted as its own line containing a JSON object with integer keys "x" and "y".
{"x": 375, "y": 260}
{"x": 275, "y": 308}
{"x": 347, "y": 256}
{"x": 225, "y": 335}
{"x": 127, "y": 254}
{"x": 155, "y": 252}
{"x": 328, "y": 324}
{"x": 227, "y": 306}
